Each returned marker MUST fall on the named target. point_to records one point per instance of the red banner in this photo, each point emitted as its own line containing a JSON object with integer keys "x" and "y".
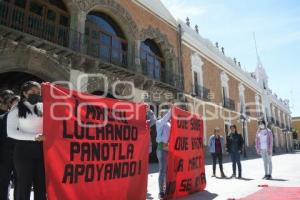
{"x": 95, "y": 148}
{"x": 186, "y": 164}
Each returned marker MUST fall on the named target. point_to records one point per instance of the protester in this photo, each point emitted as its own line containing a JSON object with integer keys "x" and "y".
{"x": 216, "y": 148}
{"x": 163, "y": 127}
{"x": 235, "y": 144}
{"x": 5, "y": 97}
{"x": 151, "y": 118}
{"x": 25, "y": 125}
{"x": 264, "y": 147}
{"x": 7, "y": 100}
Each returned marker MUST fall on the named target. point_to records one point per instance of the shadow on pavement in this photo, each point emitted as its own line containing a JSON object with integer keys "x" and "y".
{"x": 229, "y": 178}
{"x": 246, "y": 179}
{"x": 278, "y": 179}
{"x": 201, "y": 195}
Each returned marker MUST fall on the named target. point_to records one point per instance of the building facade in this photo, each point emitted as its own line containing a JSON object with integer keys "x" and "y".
{"x": 136, "y": 50}
{"x": 296, "y": 126}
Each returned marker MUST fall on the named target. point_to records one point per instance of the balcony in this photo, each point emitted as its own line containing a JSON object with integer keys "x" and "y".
{"x": 229, "y": 104}
{"x": 23, "y": 26}
{"x": 33, "y": 24}
{"x": 160, "y": 74}
{"x": 201, "y": 92}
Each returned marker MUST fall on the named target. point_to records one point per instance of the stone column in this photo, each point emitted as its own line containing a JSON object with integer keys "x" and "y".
{"x": 77, "y": 28}
{"x": 137, "y": 56}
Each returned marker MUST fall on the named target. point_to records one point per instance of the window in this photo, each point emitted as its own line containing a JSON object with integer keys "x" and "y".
{"x": 225, "y": 89}
{"x": 105, "y": 38}
{"x": 196, "y": 83}
{"x": 59, "y": 4}
{"x": 197, "y": 74}
{"x": 225, "y": 96}
{"x": 20, "y": 3}
{"x": 64, "y": 20}
{"x": 36, "y": 8}
{"x": 47, "y": 19}
{"x": 51, "y": 15}
{"x": 151, "y": 59}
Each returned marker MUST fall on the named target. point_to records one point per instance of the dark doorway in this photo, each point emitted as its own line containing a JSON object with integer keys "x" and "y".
{"x": 14, "y": 80}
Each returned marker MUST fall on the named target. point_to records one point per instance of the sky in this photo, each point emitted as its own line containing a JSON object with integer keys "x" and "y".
{"x": 231, "y": 23}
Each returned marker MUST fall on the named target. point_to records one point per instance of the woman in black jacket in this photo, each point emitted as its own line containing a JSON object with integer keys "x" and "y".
{"x": 25, "y": 125}
{"x": 234, "y": 145}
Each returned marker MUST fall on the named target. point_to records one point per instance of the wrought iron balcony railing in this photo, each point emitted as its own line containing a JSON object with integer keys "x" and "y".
{"x": 20, "y": 19}
{"x": 99, "y": 44}
{"x": 94, "y": 42}
{"x": 229, "y": 103}
{"x": 201, "y": 92}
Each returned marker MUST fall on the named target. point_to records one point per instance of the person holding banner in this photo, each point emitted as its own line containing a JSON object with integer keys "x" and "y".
{"x": 163, "y": 128}
{"x": 151, "y": 118}
{"x": 216, "y": 145}
{"x": 235, "y": 144}
{"x": 25, "y": 125}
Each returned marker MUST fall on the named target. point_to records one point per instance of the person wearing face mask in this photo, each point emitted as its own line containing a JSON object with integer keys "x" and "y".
{"x": 25, "y": 125}
{"x": 264, "y": 147}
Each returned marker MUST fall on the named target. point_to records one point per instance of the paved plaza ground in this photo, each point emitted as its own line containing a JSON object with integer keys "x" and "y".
{"x": 286, "y": 173}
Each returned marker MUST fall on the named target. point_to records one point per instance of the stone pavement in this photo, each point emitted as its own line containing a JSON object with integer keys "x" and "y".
{"x": 286, "y": 173}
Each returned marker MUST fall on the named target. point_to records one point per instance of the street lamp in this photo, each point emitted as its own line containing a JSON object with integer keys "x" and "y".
{"x": 243, "y": 120}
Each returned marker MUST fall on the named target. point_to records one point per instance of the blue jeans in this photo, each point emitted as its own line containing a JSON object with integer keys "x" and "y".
{"x": 236, "y": 160}
{"x": 162, "y": 157}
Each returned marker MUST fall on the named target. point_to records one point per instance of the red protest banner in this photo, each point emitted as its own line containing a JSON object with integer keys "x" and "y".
{"x": 186, "y": 164}
{"x": 95, "y": 148}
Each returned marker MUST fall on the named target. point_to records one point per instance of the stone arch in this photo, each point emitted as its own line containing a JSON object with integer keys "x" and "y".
{"x": 114, "y": 10}
{"x": 166, "y": 49}
{"x": 32, "y": 62}
{"x": 120, "y": 15}
{"x": 161, "y": 39}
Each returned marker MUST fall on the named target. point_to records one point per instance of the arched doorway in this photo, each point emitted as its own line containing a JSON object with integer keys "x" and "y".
{"x": 105, "y": 39}
{"x": 14, "y": 80}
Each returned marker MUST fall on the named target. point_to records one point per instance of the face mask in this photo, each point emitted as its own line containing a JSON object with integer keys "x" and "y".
{"x": 262, "y": 126}
{"x": 34, "y": 99}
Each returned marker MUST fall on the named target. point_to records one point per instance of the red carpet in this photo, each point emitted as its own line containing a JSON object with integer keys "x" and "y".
{"x": 276, "y": 193}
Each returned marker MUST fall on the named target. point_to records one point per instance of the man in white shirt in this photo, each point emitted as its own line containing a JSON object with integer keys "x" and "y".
{"x": 264, "y": 147}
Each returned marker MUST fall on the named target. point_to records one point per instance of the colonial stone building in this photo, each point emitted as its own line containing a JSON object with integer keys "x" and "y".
{"x": 142, "y": 50}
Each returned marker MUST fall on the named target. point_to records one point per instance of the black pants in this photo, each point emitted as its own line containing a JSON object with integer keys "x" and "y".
{"x": 236, "y": 160}
{"x": 6, "y": 167}
{"x": 218, "y": 156}
{"x": 153, "y": 157}
{"x": 29, "y": 163}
